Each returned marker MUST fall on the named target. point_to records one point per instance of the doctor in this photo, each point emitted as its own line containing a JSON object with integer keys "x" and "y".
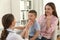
{"x": 8, "y": 22}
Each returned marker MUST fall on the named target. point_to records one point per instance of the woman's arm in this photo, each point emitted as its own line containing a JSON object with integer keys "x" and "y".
{"x": 23, "y": 34}
{"x": 51, "y": 27}
{"x": 35, "y": 36}
{"x": 20, "y": 28}
{"x": 25, "y": 31}
{"x": 27, "y": 25}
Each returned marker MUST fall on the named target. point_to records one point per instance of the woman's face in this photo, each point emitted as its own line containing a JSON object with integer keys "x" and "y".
{"x": 48, "y": 10}
{"x": 13, "y": 23}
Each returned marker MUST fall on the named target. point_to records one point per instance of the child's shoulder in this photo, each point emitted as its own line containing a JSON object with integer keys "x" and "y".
{"x": 36, "y": 22}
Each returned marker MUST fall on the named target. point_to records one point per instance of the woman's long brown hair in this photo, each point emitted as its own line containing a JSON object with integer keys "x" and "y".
{"x": 6, "y": 22}
{"x": 52, "y": 5}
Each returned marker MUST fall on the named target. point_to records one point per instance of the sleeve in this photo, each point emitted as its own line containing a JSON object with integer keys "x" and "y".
{"x": 40, "y": 19}
{"x": 26, "y": 39}
{"x": 17, "y": 37}
{"x": 53, "y": 26}
{"x": 37, "y": 26}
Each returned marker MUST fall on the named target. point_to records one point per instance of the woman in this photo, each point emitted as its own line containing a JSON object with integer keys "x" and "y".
{"x": 8, "y": 22}
{"x": 48, "y": 21}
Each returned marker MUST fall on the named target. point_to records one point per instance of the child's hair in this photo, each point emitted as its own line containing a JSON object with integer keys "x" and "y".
{"x": 33, "y": 12}
{"x": 6, "y": 22}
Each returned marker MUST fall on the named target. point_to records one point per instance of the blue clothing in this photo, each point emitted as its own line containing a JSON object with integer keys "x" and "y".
{"x": 43, "y": 38}
{"x": 35, "y": 27}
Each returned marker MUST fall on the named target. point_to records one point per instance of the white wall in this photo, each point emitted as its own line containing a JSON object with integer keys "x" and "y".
{"x": 16, "y": 9}
{"x": 38, "y": 6}
{"x": 5, "y": 7}
{"x": 8, "y": 6}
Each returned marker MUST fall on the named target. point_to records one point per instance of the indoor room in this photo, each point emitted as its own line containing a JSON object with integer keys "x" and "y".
{"x": 21, "y": 9}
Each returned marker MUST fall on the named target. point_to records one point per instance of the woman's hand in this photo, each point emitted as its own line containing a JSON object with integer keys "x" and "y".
{"x": 48, "y": 21}
{"x": 32, "y": 39}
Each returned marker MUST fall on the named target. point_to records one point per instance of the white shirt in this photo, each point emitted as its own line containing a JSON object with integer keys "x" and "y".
{"x": 13, "y": 36}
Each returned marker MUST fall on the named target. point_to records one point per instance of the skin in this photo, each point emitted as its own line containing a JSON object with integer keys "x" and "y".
{"x": 13, "y": 25}
{"x": 48, "y": 11}
{"x": 25, "y": 31}
{"x": 32, "y": 17}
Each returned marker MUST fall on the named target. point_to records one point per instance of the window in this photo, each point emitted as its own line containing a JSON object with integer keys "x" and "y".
{"x": 25, "y": 5}
{"x": 21, "y": 8}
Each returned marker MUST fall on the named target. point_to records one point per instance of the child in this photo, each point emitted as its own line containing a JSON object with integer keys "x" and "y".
{"x": 8, "y": 22}
{"x": 34, "y": 29}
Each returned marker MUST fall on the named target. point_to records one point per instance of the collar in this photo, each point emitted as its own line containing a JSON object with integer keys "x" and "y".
{"x": 10, "y": 30}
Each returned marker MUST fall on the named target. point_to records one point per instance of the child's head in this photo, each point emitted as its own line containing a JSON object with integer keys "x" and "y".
{"x": 32, "y": 15}
{"x": 7, "y": 21}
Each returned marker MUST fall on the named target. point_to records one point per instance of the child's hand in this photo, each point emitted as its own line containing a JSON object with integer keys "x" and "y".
{"x": 29, "y": 24}
{"x": 32, "y": 39}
